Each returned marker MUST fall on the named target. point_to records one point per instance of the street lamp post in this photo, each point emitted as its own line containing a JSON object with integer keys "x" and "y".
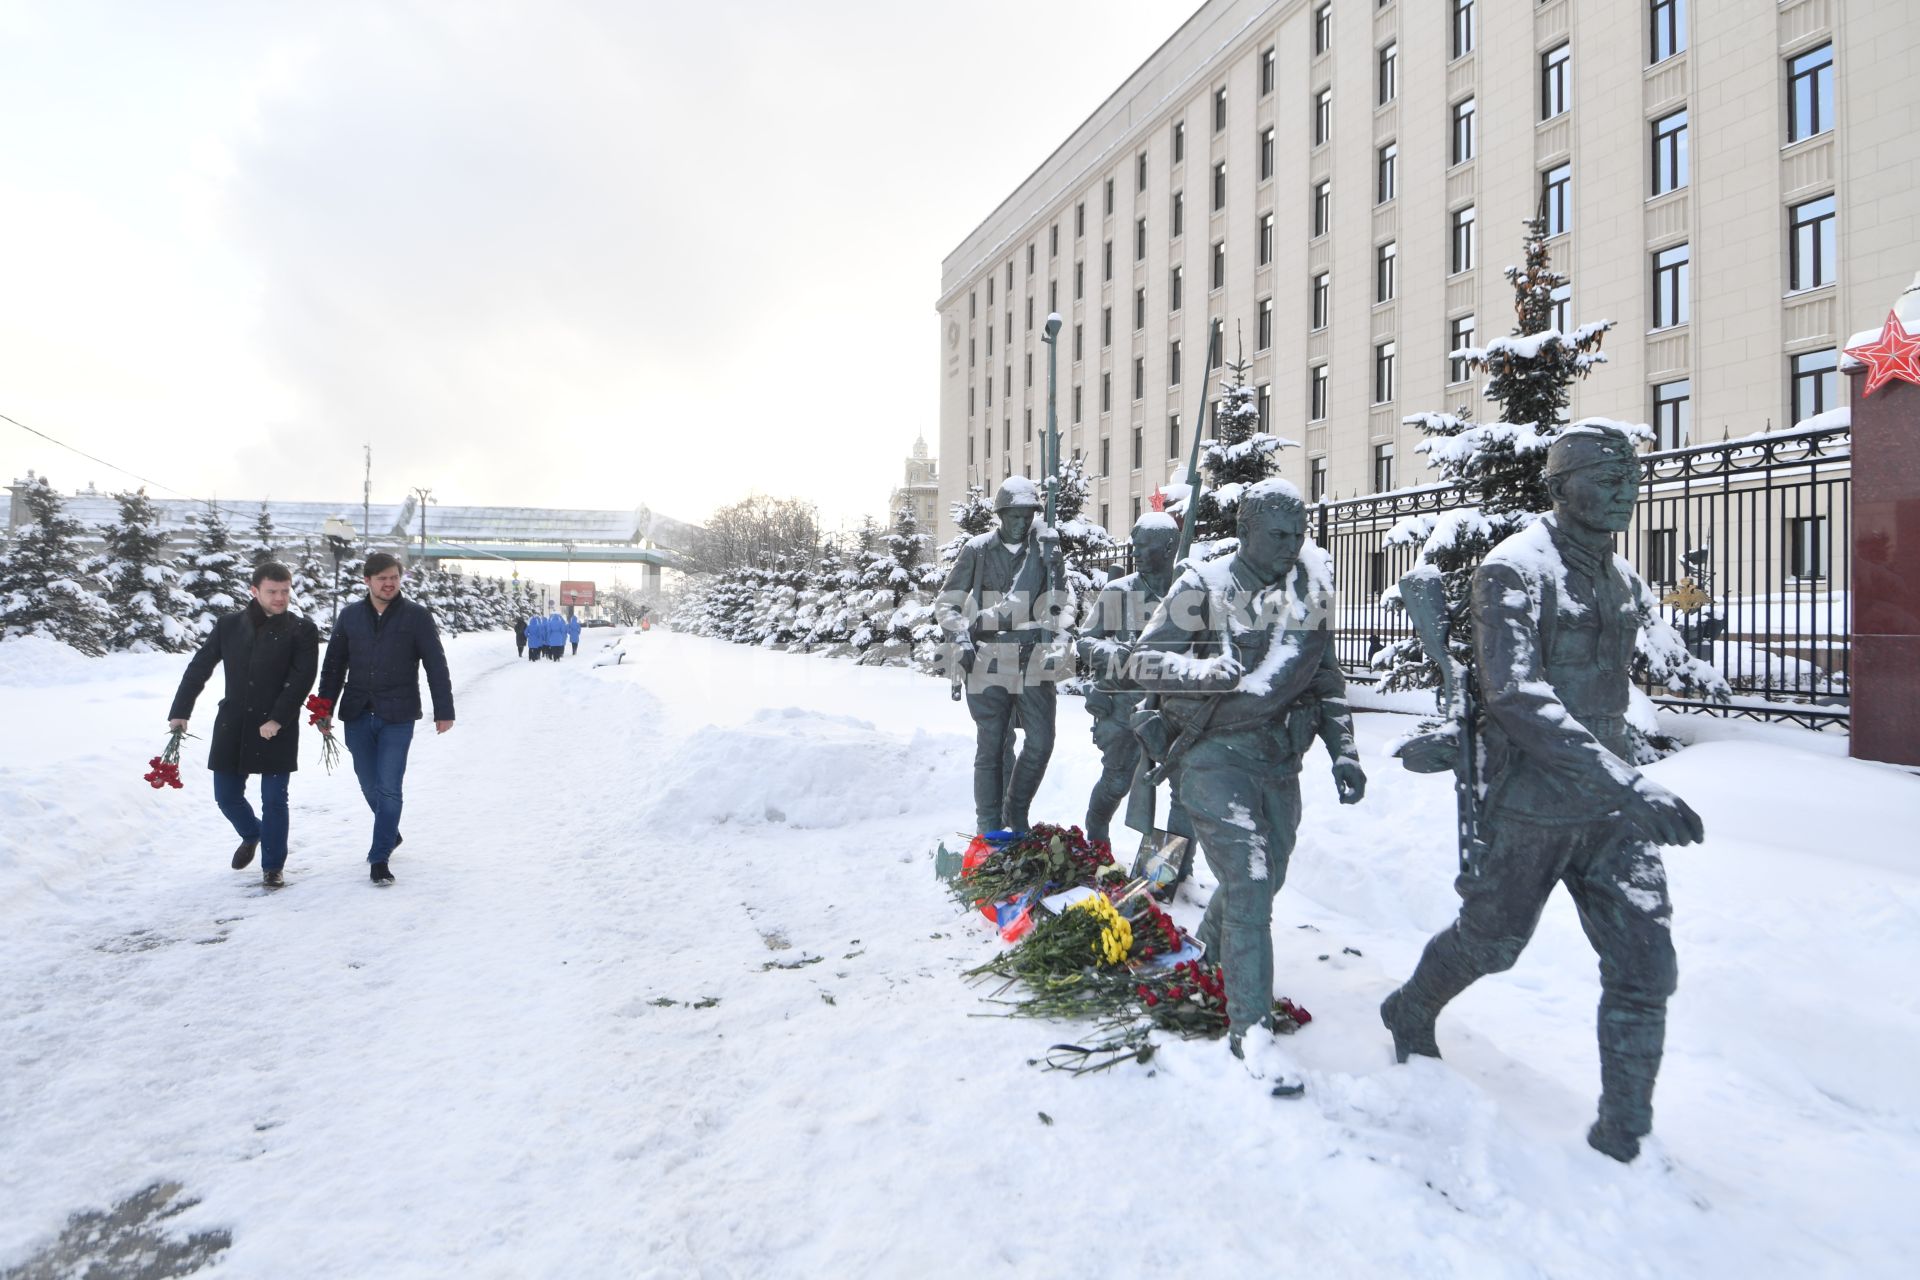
{"x": 1050, "y": 458}
{"x": 339, "y": 534}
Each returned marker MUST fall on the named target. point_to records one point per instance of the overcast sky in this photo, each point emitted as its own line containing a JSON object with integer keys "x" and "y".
{"x": 574, "y": 253}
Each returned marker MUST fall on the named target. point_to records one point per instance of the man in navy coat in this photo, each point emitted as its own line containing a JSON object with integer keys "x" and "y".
{"x": 378, "y": 647}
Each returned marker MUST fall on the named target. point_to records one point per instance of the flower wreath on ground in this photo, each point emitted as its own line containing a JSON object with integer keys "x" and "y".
{"x": 1090, "y": 943}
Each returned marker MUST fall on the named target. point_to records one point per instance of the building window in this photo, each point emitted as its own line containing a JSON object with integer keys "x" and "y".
{"x": 1077, "y": 347}
{"x": 1173, "y": 435}
{"x": 1029, "y": 260}
{"x": 1560, "y": 308}
{"x": 989, "y": 387}
{"x": 989, "y": 290}
{"x": 1219, "y": 278}
{"x": 1079, "y": 281}
{"x": 1027, "y": 417}
{"x": 1463, "y": 121}
{"x": 1460, "y": 335}
{"x": 1053, "y": 296}
{"x": 1263, "y": 330}
{"x": 1556, "y": 186}
{"x": 1079, "y": 219}
{"x": 1382, "y": 467}
{"x": 1658, "y": 561}
{"x": 1140, "y": 172}
{"x": 969, "y": 436}
{"x": 1009, "y": 275}
{"x": 1076, "y": 402}
{"x": 1389, "y": 78}
{"x": 1461, "y": 256}
{"x": 1106, "y": 326}
{"x": 1029, "y": 375}
{"x": 1317, "y": 393}
{"x": 1263, "y": 242}
{"x": 1671, "y": 272}
{"x": 1029, "y": 313}
{"x": 1219, "y": 109}
{"x": 1136, "y": 508}
{"x": 1670, "y": 153}
{"x": 1106, "y": 391}
{"x": 1265, "y": 405}
{"x": 1386, "y": 168}
{"x": 1322, "y": 299}
{"x": 1179, "y": 141}
{"x": 1317, "y": 480}
{"x": 1106, "y": 456}
{"x": 1673, "y": 414}
{"x": 1176, "y": 280}
{"x": 1386, "y": 262}
{"x": 1323, "y": 28}
{"x": 1219, "y": 186}
{"x": 1216, "y": 344}
{"x": 1462, "y": 28}
{"x": 1385, "y": 358}
{"x": 1053, "y": 241}
{"x": 1106, "y": 260}
{"x": 1556, "y": 81}
{"x": 1007, "y": 379}
{"x": 1173, "y": 363}
{"x": 1807, "y": 546}
{"x": 1266, "y": 153}
{"x": 973, "y": 306}
{"x": 1139, "y": 377}
{"x": 1109, "y": 204}
{"x": 989, "y": 339}
{"x": 1667, "y": 29}
{"x": 1812, "y": 254}
{"x": 1139, "y": 447}
{"x": 1269, "y": 69}
{"x": 1816, "y": 384}
{"x": 1322, "y": 207}
{"x": 1179, "y": 214}
{"x": 1140, "y": 240}
{"x": 1139, "y": 308}
{"x": 1322, "y": 116}
{"x": 971, "y": 354}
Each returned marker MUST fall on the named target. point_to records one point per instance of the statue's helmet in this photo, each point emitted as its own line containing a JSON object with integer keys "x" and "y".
{"x": 1017, "y": 491}
{"x": 1272, "y": 496}
{"x": 1587, "y": 444}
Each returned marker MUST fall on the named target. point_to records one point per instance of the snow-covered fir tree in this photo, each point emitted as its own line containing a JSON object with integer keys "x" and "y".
{"x": 1082, "y": 541}
{"x": 149, "y": 610}
{"x": 312, "y": 582}
{"x": 261, "y": 541}
{"x": 915, "y": 579}
{"x": 212, "y": 573}
{"x": 1238, "y": 455}
{"x": 1502, "y": 465}
{"x": 972, "y": 515}
{"x": 45, "y": 589}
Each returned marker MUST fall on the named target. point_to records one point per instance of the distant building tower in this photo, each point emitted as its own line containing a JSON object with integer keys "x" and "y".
{"x": 921, "y": 490}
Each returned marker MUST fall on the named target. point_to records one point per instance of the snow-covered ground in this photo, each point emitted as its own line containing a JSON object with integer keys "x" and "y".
{"x": 667, "y": 987}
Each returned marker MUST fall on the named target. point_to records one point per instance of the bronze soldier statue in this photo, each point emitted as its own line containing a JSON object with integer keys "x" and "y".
{"x": 1119, "y": 614}
{"x": 1555, "y": 615}
{"x": 1242, "y": 651}
{"x": 1001, "y": 606}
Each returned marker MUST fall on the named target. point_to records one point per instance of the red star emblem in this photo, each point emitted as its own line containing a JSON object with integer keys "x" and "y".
{"x": 1894, "y": 354}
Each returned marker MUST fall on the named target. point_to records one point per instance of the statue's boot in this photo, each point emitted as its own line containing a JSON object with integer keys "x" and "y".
{"x": 1105, "y": 802}
{"x": 1444, "y": 972}
{"x": 1632, "y": 1037}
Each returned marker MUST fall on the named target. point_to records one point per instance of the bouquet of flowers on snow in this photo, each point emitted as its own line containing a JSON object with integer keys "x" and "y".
{"x": 164, "y": 769}
{"x": 320, "y": 715}
{"x": 1042, "y": 860}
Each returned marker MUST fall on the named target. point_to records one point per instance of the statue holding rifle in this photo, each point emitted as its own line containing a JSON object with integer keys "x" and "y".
{"x": 1555, "y": 616}
{"x": 1241, "y": 656}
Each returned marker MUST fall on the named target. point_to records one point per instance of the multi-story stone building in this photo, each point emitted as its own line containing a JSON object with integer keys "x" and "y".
{"x": 920, "y": 489}
{"x": 1338, "y": 185}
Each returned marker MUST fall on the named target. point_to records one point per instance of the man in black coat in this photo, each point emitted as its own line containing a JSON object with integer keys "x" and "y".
{"x": 270, "y": 656}
{"x": 378, "y": 647}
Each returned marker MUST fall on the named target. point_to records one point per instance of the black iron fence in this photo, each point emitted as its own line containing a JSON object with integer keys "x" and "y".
{"x": 1746, "y": 543}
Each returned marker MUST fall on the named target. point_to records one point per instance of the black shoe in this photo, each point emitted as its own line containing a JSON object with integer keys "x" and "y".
{"x": 1412, "y": 1034}
{"x": 1610, "y": 1140}
{"x": 244, "y": 854}
{"x": 380, "y": 875}
{"x": 273, "y": 880}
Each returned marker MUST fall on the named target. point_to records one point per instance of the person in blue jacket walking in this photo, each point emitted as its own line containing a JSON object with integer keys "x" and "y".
{"x": 536, "y": 637}
{"x": 573, "y": 632}
{"x": 556, "y": 635}
{"x": 378, "y": 647}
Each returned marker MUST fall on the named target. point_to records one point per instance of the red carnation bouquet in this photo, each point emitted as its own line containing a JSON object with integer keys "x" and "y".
{"x": 320, "y": 715}
{"x": 164, "y": 769}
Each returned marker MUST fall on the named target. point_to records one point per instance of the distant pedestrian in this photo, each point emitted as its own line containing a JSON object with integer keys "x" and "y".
{"x": 535, "y": 629}
{"x": 269, "y": 656}
{"x": 377, "y": 650}
{"x": 573, "y": 632}
{"x": 556, "y": 630}
{"x": 520, "y": 637}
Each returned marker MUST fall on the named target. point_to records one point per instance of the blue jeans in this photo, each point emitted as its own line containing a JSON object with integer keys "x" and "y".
{"x": 270, "y": 828}
{"x": 379, "y": 750}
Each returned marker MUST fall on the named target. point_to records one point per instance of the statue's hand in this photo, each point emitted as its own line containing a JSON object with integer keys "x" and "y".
{"x": 1222, "y": 671}
{"x": 965, "y": 657}
{"x": 1350, "y": 779}
{"x": 1661, "y": 816}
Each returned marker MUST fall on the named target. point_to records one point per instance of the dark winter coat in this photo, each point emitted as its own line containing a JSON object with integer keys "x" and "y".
{"x": 377, "y": 658}
{"x": 270, "y": 663}
{"x": 519, "y": 630}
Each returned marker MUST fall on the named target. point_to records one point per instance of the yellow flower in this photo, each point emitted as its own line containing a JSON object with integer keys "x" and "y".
{"x": 1116, "y": 934}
